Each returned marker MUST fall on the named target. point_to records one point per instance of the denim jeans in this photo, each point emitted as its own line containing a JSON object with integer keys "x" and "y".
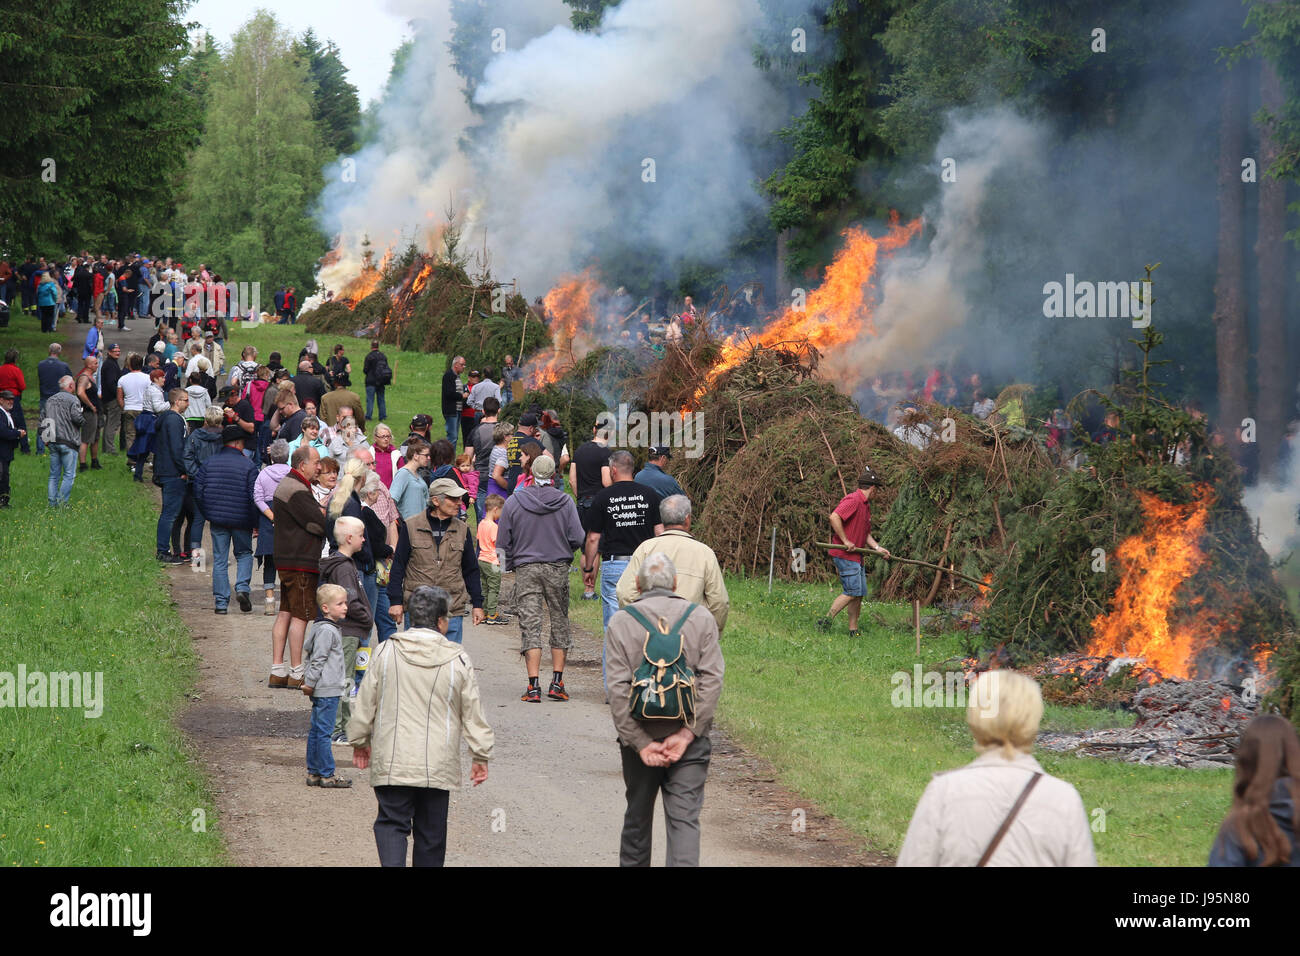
{"x": 453, "y": 427}
{"x": 384, "y": 625}
{"x": 63, "y": 465}
{"x": 173, "y": 497}
{"x": 371, "y": 392}
{"x": 222, "y": 538}
{"x": 610, "y": 572}
{"x": 320, "y": 753}
{"x": 455, "y": 626}
{"x": 40, "y": 445}
{"x": 196, "y": 528}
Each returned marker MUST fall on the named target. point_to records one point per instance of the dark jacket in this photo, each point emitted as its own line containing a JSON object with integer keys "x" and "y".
{"x": 48, "y": 373}
{"x": 202, "y": 444}
{"x": 309, "y": 388}
{"x": 223, "y": 489}
{"x": 299, "y": 525}
{"x": 341, "y": 570}
{"x": 539, "y": 523}
{"x": 451, "y": 393}
{"x": 169, "y": 445}
{"x": 370, "y": 367}
{"x": 652, "y": 476}
{"x": 9, "y": 437}
{"x": 1228, "y": 851}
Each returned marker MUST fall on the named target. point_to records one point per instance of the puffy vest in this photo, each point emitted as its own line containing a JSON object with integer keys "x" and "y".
{"x": 434, "y": 564}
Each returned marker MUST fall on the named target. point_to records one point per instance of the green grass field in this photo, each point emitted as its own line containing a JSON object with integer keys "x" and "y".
{"x": 83, "y": 593}
{"x": 819, "y": 708}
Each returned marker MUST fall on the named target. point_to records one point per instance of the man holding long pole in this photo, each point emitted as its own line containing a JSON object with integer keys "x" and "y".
{"x": 851, "y": 529}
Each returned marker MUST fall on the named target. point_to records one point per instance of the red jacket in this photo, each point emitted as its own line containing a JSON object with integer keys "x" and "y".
{"x": 11, "y": 377}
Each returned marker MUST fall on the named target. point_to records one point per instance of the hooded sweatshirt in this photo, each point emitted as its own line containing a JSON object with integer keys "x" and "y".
{"x": 418, "y": 699}
{"x": 340, "y": 569}
{"x": 199, "y": 402}
{"x": 539, "y": 523}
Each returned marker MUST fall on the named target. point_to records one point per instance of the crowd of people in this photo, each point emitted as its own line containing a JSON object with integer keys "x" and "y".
{"x": 382, "y": 549}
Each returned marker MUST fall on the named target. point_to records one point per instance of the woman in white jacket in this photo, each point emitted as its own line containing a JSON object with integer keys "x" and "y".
{"x": 418, "y": 699}
{"x": 1001, "y": 809}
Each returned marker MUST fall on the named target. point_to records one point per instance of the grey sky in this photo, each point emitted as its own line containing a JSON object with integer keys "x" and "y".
{"x": 365, "y": 34}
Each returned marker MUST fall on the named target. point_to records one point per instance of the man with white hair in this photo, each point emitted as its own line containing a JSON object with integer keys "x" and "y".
{"x": 663, "y": 754}
{"x": 63, "y": 411}
{"x": 699, "y": 576}
{"x": 536, "y": 537}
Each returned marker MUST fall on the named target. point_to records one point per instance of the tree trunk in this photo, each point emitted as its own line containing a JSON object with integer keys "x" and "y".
{"x": 1229, "y": 296}
{"x": 1270, "y": 252}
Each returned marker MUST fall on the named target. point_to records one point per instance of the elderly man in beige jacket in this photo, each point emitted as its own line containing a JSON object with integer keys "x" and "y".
{"x": 1001, "y": 809}
{"x": 418, "y": 699}
{"x": 663, "y": 755}
{"x": 699, "y": 577}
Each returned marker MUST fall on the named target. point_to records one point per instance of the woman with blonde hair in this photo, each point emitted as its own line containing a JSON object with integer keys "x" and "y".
{"x": 1001, "y": 809}
{"x": 1261, "y": 827}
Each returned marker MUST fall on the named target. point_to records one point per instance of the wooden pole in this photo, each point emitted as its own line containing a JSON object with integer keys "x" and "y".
{"x": 916, "y": 623}
{"x": 771, "y": 561}
{"x": 894, "y": 557}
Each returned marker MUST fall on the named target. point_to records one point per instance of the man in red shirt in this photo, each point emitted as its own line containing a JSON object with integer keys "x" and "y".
{"x": 851, "y": 526}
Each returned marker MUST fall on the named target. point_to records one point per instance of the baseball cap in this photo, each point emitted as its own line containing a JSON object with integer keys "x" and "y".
{"x": 421, "y": 421}
{"x": 445, "y": 486}
{"x": 114, "y": 347}
{"x": 660, "y": 451}
{"x": 543, "y": 467}
{"x": 5, "y": 393}
{"x": 869, "y": 477}
{"x": 528, "y": 420}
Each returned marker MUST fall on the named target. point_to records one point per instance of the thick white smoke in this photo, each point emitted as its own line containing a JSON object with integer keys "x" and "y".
{"x": 645, "y": 129}
{"x": 1274, "y": 505}
{"x": 925, "y": 290}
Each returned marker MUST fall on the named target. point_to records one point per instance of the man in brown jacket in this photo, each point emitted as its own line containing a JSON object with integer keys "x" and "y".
{"x": 664, "y": 755}
{"x": 299, "y": 536}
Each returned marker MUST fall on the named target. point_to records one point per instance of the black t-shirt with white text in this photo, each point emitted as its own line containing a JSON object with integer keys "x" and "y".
{"x": 624, "y": 514}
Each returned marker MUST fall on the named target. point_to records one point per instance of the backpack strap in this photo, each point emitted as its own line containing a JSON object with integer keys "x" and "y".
{"x": 674, "y": 631}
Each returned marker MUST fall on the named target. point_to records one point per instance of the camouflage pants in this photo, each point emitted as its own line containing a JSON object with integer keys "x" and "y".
{"x": 539, "y": 586}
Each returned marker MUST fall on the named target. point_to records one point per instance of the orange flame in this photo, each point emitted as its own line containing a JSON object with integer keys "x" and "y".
{"x": 837, "y": 311}
{"x": 570, "y": 315}
{"x": 1154, "y": 562}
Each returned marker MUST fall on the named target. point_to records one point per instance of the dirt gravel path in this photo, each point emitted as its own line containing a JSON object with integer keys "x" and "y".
{"x": 554, "y": 796}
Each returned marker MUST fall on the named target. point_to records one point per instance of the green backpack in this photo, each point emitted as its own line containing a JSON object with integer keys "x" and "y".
{"x": 663, "y": 686}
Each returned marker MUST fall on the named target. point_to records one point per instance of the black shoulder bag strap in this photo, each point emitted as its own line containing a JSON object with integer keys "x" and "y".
{"x": 1006, "y": 824}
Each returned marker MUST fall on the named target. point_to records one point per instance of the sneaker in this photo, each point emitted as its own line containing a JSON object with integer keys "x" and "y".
{"x": 533, "y": 695}
{"x": 823, "y": 624}
{"x": 245, "y": 602}
{"x": 96, "y": 465}
{"x": 218, "y": 610}
{"x": 313, "y": 779}
{"x": 339, "y": 738}
{"x": 589, "y": 595}
{"x": 334, "y": 783}
{"x": 557, "y": 691}
{"x": 497, "y": 619}
{"x": 166, "y": 557}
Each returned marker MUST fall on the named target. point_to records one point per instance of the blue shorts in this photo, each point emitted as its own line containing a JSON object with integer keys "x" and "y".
{"x": 852, "y": 577}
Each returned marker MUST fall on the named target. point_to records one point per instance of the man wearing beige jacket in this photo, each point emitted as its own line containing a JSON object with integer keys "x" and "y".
{"x": 699, "y": 577}
{"x": 418, "y": 680}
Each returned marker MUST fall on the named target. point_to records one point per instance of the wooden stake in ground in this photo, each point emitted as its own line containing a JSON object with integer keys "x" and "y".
{"x": 771, "y": 561}
{"x": 894, "y": 557}
{"x": 916, "y": 623}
